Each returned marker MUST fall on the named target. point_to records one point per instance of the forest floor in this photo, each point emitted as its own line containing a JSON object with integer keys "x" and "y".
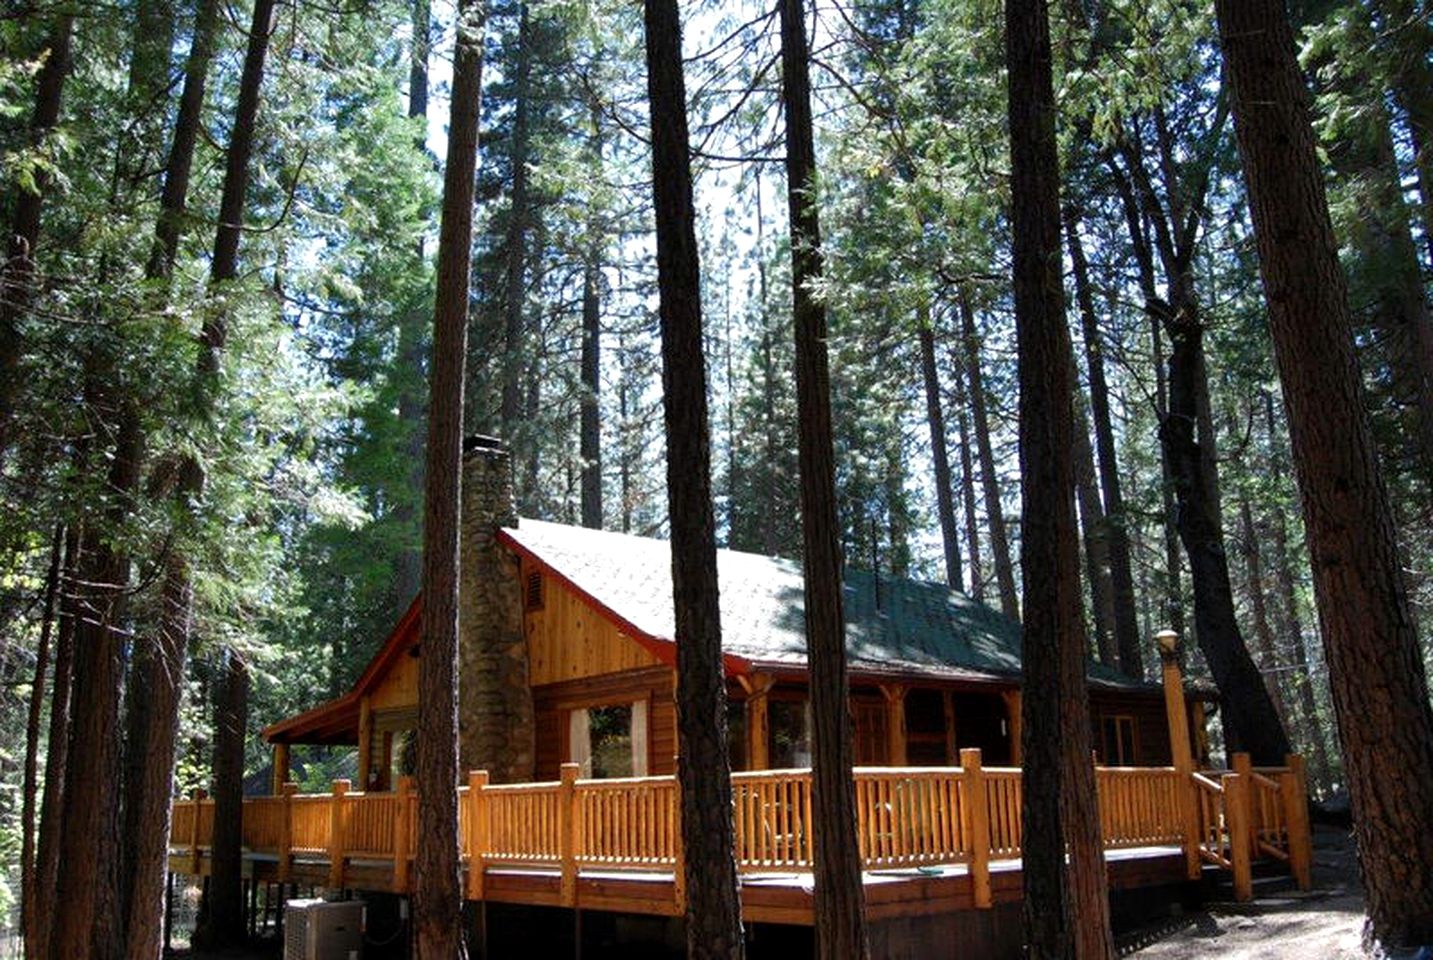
{"x": 1325, "y": 922}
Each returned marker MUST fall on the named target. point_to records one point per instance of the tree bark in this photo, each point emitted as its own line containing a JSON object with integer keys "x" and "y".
{"x": 222, "y": 925}
{"x": 840, "y": 906}
{"x": 713, "y": 907}
{"x": 1126, "y": 629}
{"x": 30, "y": 789}
{"x": 967, "y": 489}
{"x": 1092, "y": 530}
{"x": 437, "y": 895}
{"x": 47, "y": 854}
{"x": 17, "y": 273}
{"x": 1375, "y": 663}
{"x": 173, "y": 197}
{"x": 1066, "y": 908}
{"x": 516, "y": 282}
{"x": 1405, "y": 25}
{"x": 990, "y": 482}
{"x": 590, "y": 440}
{"x": 935, "y": 420}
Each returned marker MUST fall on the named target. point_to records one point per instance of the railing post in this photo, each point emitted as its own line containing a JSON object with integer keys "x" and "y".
{"x": 194, "y": 833}
{"x": 286, "y": 830}
{"x": 401, "y": 831}
{"x": 975, "y": 811}
{"x": 1293, "y": 785}
{"x": 336, "y": 854}
{"x": 1239, "y": 821}
{"x": 1244, "y": 766}
{"x": 477, "y": 831}
{"x": 567, "y": 832}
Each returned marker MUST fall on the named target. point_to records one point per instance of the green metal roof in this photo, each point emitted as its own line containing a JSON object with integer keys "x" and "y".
{"x": 918, "y": 628}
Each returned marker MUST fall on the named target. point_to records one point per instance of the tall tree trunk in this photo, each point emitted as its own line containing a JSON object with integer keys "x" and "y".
{"x": 412, "y": 341}
{"x": 1066, "y": 908}
{"x": 514, "y": 359}
{"x": 840, "y": 905}
{"x": 590, "y": 440}
{"x": 1375, "y": 664}
{"x": 438, "y": 897}
{"x": 224, "y": 900}
{"x": 1250, "y": 721}
{"x": 1126, "y": 629}
{"x": 1404, "y": 26}
{"x": 713, "y": 909}
{"x": 967, "y": 489}
{"x": 223, "y": 922}
{"x": 30, "y": 789}
{"x": 47, "y": 854}
{"x": 1092, "y": 531}
{"x": 1259, "y": 609}
{"x": 17, "y": 273}
{"x": 1169, "y": 523}
{"x": 88, "y": 916}
{"x": 994, "y": 512}
{"x": 935, "y": 419}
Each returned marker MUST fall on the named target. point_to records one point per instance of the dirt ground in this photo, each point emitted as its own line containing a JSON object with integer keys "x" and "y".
{"x": 1324, "y": 923}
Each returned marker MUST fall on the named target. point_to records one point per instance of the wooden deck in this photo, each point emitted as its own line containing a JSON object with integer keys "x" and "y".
{"x": 932, "y": 840}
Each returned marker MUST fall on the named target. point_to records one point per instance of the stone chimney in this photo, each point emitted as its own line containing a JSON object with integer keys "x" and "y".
{"x": 495, "y": 714}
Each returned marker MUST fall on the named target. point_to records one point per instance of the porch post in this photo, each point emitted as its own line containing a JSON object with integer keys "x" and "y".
{"x": 895, "y": 695}
{"x": 281, "y": 768}
{"x": 1177, "y": 717}
{"x": 975, "y": 814}
{"x": 365, "y": 742}
{"x": 758, "y": 725}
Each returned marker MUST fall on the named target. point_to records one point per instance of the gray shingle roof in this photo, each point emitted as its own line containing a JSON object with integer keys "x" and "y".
{"x": 919, "y": 627}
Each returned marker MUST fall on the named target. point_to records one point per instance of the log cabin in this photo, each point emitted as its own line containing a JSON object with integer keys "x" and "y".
{"x": 568, "y": 655}
{"x": 567, "y": 728}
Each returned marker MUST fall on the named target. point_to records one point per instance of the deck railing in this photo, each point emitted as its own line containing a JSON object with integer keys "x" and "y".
{"x": 906, "y": 817}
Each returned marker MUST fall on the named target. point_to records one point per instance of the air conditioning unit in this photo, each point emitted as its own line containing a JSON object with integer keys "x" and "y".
{"x": 323, "y": 930}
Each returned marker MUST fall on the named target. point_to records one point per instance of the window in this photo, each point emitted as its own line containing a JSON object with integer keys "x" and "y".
{"x": 1117, "y": 740}
{"x": 609, "y": 740}
{"x": 790, "y": 734}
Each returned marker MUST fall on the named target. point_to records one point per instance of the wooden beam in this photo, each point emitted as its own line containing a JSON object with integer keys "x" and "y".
{"x": 281, "y": 768}
{"x": 1238, "y": 815}
{"x": 758, "y": 724}
{"x": 976, "y": 814}
{"x": 1177, "y": 716}
{"x": 365, "y": 742}
{"x": 1016, "y": 720}
{"x": 1294, "y": 787}
{"x": 895, "y": 695}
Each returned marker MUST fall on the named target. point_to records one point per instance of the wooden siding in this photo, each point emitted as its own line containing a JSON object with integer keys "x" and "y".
{"x": 1151, "y": 747}
{"x": 568, "y": 640}
{"x": 398, "y": 688}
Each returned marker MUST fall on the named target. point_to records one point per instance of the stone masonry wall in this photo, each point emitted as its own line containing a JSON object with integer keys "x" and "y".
{"x": 495, "y": 714}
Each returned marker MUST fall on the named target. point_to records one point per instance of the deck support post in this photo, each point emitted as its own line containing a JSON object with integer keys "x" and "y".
{"x": 477, "y": 832}
{"x": 286, "y": 832}
{"x": 1293, "y": 786}
{"x": 1238, "y": 815}
{"x": 975, "y": 812}
{"x": 567, "y": 832}
{"x": 1177, "y": 716}
{"x": 895, "y": 694}
{"x": 401, "y": 831}
{"x": 336, "y": 855}
{"x": 194, "y": 833}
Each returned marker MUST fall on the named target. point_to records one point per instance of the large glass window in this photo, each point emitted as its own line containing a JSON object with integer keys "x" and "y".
{"x": 609, "y": 740}
{"x": 790, "y": 734}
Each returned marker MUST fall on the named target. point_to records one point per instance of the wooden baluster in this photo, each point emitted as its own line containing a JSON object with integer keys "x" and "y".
{"x": 567, "y": 832}
{"x": 194, "y": 833}
{"x": 1238, "y": 814}
{"x": 477, "y": 831}
{"x": 286, "y": 830}
{"x": 1294, "y": 787}
{"x": 336, "y": 855}
{"x": 400, "y": 836}
{"x": 976, "y": 813}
